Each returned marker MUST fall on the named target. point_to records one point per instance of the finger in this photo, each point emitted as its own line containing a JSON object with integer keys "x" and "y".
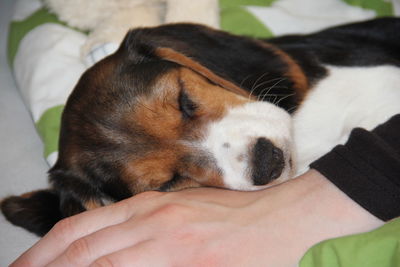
{"x": 104, "y": 241}
{"x": 73, "y": 228}
{"x": 159, "y": 220}
{"x": 148, "y": 253}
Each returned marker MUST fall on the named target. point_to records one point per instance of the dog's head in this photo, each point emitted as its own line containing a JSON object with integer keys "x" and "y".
{"x": 150, "y": 117}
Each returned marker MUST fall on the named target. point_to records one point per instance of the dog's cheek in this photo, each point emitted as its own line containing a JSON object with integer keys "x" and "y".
{"x": 151, "y": 171}
{"x": 202, "y": 168}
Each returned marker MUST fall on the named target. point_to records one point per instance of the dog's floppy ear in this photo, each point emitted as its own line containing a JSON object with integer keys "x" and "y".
{"x": 254, "y": 65}
{"x": 36, "y": 211}
{"x": 179, "y": 58}
{"x": 40, "y": 210}
{"x": 175, "y": 43}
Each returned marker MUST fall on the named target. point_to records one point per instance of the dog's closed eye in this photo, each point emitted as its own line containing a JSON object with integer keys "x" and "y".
{"x": 186, "y": 105}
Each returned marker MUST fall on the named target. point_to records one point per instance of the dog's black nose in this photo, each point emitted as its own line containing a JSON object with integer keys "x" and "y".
{"x": 267, "y": 162}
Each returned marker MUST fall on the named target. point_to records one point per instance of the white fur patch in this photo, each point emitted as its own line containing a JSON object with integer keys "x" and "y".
{"x": 349, "y": 97}
{"x": 229, "y": 140}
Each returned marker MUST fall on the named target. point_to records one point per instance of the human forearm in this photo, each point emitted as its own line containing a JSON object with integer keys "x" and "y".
{"x": 367, "y": 168}
{"x": 311, "y": 209}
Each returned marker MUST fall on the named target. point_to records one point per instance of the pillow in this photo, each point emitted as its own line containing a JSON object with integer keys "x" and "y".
{"x": 44, "y": 55}
{"x": 266, "y": 18}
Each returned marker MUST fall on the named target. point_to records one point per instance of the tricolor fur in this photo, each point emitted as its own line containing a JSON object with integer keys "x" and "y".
{"x": 183, "y": 105}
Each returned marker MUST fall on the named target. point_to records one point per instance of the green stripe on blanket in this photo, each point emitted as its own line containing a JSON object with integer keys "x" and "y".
{"x": 378, "y": 248}
{"x": 18, "y": 29}
{"x": 48, "y": 127}
{"x": 236, "y": 19}
{"x": 235, "y": 3}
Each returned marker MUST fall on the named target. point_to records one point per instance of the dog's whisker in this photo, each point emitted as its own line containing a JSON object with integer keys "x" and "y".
{"x": 267, "y": 88}
{"x": 255, "y": 86}
{"x": 242, "y": 82}
{"x": 285, "y": 97}
{"x": 269, "y": 82}
{"x": 292, "y": 108}
{"x": 258, "y": 79}
{"x": 275, "y": 98}
{"x": 273, "y": 86}
{"x": 277, "y": 94}
{"x": 264, "y": 96}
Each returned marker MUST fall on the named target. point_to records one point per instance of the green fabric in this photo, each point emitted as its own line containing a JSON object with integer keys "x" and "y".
{"x": 238, "y": 20}
{"x": 235, "y": 3}
{"x": 18, "y": 29}
{"x": 381, "y": 7}
{"x": 48, "y": 127}
{"x": 378, "y": 248}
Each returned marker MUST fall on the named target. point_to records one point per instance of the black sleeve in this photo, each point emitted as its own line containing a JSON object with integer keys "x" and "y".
{"x": 367, "y": 168}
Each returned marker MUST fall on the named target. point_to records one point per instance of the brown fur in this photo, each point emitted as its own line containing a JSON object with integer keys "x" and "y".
{"x": 158, "y": 116}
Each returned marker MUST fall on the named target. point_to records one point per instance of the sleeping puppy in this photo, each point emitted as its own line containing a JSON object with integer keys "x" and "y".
{"x": 183, "y": 105}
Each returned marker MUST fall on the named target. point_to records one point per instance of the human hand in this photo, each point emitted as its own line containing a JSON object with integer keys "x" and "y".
{"x": 204, "y": 227}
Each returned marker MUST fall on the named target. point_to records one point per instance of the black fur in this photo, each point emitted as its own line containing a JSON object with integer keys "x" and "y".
{"x": 239, "y": 59}
{"x": 370, "y": 43}
{"x": 36, "y": 213}
{"x": 95, "y": 141}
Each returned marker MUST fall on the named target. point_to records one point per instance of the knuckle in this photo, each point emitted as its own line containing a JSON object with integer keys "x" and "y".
{"x": 125, "y": 209}
{"x": 78, "y": 251}
{"x": 171, "y": 210}
{"x": 143, "y": 196}
{"x": 104, "y": 262}
{"x": 62, "y": 230}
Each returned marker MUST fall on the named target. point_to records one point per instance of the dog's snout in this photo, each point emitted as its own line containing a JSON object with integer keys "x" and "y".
{"x": 267, "y": 162}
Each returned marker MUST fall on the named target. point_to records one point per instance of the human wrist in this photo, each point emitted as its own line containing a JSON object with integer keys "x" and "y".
{"x": 337, "y": 205}
{"x": 310, "y": 209}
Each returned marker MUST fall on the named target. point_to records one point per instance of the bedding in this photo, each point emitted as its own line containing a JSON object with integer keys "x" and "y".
{"x": 376, "y": 248}
{"x": 38, "y": 37}
{"x": 44, "y": 54}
